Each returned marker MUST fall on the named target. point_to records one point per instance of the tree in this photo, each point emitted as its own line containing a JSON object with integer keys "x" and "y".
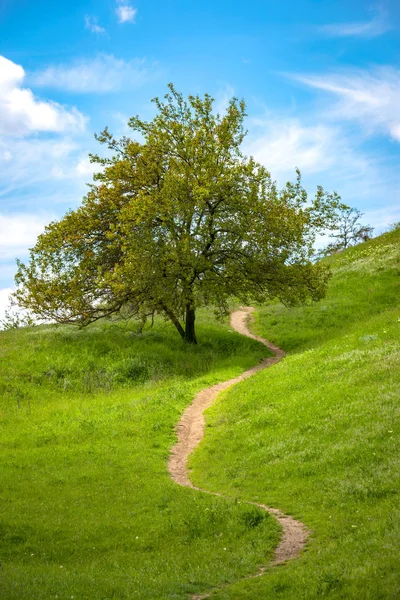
{"x": 14, "y": 318}
{"x": 350, "y": 231}
{"x": 177, "y": 220}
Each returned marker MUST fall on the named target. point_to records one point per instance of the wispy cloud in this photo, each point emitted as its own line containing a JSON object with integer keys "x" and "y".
{"x": 19, "y": 231}
{"x": 104, "y": 73}
{"x": 382, "y": 218}
{"x": 329, "y": 154}
{"x": 369, "y": 97}
{"x": 125, "y": 12}
{"x": 223, "y": 97}
{"x": 40, "y": 145}
{"x": 41, "y": 180}
{"x": 282, "y": 144}
{"x": 30, "y": 162}
{"x": 376, "y": 26}
{"x": 21, "y": 112}
{"x": 92, "y": 23}
{"x": 85, "y": 168}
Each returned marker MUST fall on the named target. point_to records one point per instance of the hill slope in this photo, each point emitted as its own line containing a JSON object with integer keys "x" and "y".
{"x": 318, "y": 435}
{"x": 87, "y": 508}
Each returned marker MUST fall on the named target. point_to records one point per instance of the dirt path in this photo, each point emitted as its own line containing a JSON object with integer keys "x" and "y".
{"x": 190, "y": 431}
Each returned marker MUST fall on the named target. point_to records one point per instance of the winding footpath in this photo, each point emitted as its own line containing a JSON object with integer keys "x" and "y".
{"x": 190, "y": 432}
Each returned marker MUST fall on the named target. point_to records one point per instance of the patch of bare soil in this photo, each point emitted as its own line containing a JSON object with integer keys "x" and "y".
{"x": 190, "y": 432}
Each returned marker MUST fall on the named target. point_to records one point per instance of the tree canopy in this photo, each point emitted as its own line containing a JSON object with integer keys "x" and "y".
{"x": 175, "y": 219}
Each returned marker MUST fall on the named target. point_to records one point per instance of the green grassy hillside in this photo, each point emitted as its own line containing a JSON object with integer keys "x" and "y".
{"x": 87, "y": 509}
{"x": 318, "y": 434}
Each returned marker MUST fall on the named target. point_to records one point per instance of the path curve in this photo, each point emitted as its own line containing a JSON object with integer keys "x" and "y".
{"x": 190, "y": 432}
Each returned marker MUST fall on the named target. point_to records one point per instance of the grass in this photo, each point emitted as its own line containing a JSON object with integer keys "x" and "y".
{"x": 318, "y": 434}
{"x": 87, "y": 509}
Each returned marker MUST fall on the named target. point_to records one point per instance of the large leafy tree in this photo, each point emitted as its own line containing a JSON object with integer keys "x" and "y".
{"x": 176, "y": 219}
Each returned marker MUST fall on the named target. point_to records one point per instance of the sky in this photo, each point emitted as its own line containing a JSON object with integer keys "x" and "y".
{"x": 321, "y": 79}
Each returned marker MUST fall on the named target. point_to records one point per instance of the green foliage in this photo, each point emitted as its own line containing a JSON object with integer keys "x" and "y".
{"x": 318, "y": 435}
{"x": 175, "y": 222}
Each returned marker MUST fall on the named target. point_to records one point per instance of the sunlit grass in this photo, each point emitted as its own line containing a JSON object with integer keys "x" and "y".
{"x": 87, "y": 509}
{"x": 318, "y": 434}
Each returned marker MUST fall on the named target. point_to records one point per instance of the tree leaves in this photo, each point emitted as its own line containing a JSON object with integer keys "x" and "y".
{"x": 177, "y": 220}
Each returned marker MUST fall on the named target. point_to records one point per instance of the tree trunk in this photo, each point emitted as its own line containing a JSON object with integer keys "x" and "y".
{"x": 175, "y": 321}
{"x": 190, "y": 334}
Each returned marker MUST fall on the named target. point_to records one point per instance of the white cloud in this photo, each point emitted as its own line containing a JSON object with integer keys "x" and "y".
{"x": 382, "y": 218}
{"x": 371, "y": 97}
{"x": 37, "y": 163}
{"x": 49, "y": 175}
{"x": 104, "y": 73}
{"x": 92, "y": 23}
{"x": 85, "y": 168}
{"x": 125, "y": 12}
{"x": 284, "y": 144}
{"x": 21, "y": 112}
{"x": 34, "y": 160}
{"x": 326, "y": 154}
{"x": 18, "y": 232}
{"x": 376, "y": 26}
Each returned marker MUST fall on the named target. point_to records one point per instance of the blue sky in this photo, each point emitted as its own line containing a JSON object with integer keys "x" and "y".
{"x": 321, "y": 79}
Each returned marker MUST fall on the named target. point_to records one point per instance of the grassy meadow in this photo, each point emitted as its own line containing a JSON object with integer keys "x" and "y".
{"x": 318, "y": 434}
{"x": 87, "y": 509}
